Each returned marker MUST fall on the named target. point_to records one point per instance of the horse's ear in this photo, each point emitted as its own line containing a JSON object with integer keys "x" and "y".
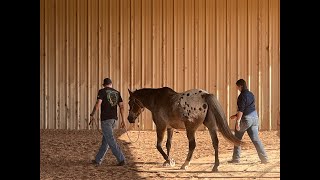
{"x": 130, "y": 92}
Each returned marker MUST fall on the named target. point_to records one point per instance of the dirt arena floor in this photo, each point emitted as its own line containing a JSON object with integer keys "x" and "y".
{"x": 67, "y": 155}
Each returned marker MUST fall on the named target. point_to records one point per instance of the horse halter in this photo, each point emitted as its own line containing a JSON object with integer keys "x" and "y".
{"x": 141, "y": 109}
{"x": 139, "y": 104}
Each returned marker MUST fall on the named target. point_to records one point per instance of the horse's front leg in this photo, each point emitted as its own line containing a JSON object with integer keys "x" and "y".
{"x": 170, "y": 162}
{"x": 192, "y": 146}
{"x": 160, "y": 135}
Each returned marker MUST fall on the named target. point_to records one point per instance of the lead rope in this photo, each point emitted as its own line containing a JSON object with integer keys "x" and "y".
{"x": 141, "y": 110}
{"x": 95, "y": 122}
{"x": 138, "y": 133}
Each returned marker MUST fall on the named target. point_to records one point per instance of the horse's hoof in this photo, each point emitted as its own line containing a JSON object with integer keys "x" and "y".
{"x": 166, "y": 164}
{"x": 184, "y": 167}
{"x": 214, "y": 169}
{"x": 170, "y": 162}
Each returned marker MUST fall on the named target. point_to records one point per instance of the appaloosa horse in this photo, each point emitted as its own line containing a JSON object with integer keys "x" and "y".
{"x": 187, "y": 110}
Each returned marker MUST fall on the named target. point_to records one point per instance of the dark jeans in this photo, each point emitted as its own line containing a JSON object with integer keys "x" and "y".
{"x": 108, "y": 141}
{"x": 250, "y": 124}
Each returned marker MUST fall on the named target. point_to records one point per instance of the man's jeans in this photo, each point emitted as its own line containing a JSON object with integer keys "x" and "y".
{"x": 250, "y": 124}
{"x": 109, "y": 141}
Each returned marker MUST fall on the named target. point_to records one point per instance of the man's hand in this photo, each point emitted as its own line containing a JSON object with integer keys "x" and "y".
{"x": 233, "y": 117}
{"x": 95, "y": 108}
{"x": 91, "y": 119}
{"x": 121, "y": 106}
{"x": 238, "y": 126}
{"x": 122, "y": 125}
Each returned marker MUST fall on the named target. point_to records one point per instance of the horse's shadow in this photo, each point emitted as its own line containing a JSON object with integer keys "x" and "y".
{"x": 207, "y": 170}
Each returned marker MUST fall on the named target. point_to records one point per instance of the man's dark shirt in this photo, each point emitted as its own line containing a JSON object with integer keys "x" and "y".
{"x": 110, "y": 99}
{"x": 246, "y": 102}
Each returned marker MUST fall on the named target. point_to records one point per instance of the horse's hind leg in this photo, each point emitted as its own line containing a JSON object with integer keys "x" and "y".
{"x": 171, "y": 161}
{"x": 215, "y": 142}
{"x": 192, "y": 146}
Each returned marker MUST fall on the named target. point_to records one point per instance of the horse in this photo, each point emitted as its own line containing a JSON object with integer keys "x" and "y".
{"x": 187, "y": 110}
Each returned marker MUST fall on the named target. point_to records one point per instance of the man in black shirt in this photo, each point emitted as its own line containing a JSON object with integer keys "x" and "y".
{"x": 108, "y": 98}
{"x": 247, "y": 120}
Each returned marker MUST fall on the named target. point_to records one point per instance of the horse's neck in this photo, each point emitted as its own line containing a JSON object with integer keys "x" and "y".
{"x": 149, "y": 96}
{"x": 146, "y": 97}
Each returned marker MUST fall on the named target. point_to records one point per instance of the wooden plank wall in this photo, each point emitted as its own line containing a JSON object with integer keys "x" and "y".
{"x": 182, "y": 44}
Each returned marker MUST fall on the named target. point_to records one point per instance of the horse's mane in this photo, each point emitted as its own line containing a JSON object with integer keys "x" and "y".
{"x": 147, "y": 91}
{"x": 164, "y": 92}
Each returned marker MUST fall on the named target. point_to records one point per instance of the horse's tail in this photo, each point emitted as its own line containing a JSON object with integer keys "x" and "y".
{"x": 221, "y": 120}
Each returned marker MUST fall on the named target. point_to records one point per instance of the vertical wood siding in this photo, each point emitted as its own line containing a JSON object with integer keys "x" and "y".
{"x": 182, "y": 44}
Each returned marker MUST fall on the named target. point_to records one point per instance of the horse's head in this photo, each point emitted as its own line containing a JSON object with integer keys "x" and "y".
{"x": 136, "y": 107}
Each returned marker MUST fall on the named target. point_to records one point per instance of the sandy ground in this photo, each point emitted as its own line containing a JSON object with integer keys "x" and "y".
{"x": 67, "y": 155}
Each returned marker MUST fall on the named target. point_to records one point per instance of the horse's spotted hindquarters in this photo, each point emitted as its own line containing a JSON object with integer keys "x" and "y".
{"x": 192, "y": 104}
